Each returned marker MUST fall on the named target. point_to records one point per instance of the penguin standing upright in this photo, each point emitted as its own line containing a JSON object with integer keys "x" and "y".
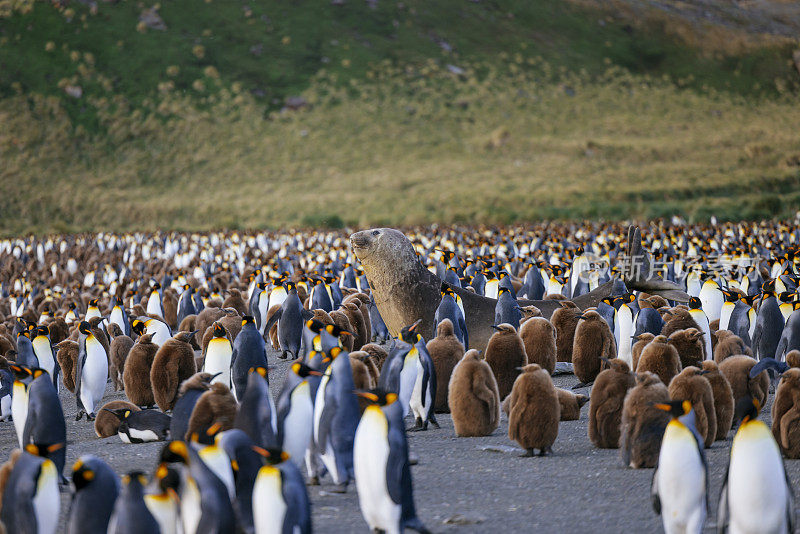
{"x": 25, "y": 354}
{"x": 712, "y": 299}
{"x": 186, "y": 304}
{"x": 382, "y": 472}
{"x": 23, "y": 377}
{"x": 449, "y": 309}
{"x": 756, "y": 493}
{"x": 96, "y": 490}
{"x": 336, "y": 416}
{"x": 769, "y": 324}
{"x": 119, "y": 317}
{"x": 507, "y": 309}
{"x": 700, "y": 317}
{"x": 131, "y": 515}
{"x": 44, "y": 352}
{"x": 91, "y": 373}
{"x": 154, "y": 301}
{"x": 624, "y": 326}
{"x": 280, "y": 494}
{"x": 290, "y": 318}
{"x": 219, "y": 354}
{"x": 44, "y": 422}
{"x": 679, "y": 489}
{"x": 256, "y": 415}
{"x": 163, "y": 503}
{"x": 296, "y": 411}
{"x": 249, "y": 351}
{"x": 423, "y": 395}
{"x": 31, "y": 500}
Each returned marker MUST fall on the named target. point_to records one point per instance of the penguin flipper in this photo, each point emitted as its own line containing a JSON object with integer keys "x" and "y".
{"x": 306, "y": 314}
{"x": 768, "y": 363}
{"x": 273, "y": 320}
{"x": 655, "y": 499}
{"x": 78, "y": 372}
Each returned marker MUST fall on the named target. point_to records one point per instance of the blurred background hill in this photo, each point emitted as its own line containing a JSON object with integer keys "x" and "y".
{"x": 196, "y": 114}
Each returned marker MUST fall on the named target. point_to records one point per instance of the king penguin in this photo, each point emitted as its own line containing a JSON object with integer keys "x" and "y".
{"x": 769, "y": 324}
{"x": 91, "y": 372}
{"x": 31, "y": 500}
{"x": 290, "y": 317}
{"x": 756, "y": 493}
{"x": 249, "y": 351}
{"x": 96, "y": 490}
{"x": 679, "y": 490}
{"x": 257, "y": 414}
{"x": 131, "y": 515}
{"x": 119, "y": 317}
{"x": 712, "y": 299}
{"x": 44, "y": 421}
{"x": 624, "y": 326}
{"x": 44, "y": 352}
{"x": 282, "y": 503}
{"x": 382, "y": 472}
{"x": 296, "y": 411}
{"x": 186, "y": 304}
{"x": 424, "y": 393}
{"x": 219, "y": 354}
{"x": 700, "y": 317}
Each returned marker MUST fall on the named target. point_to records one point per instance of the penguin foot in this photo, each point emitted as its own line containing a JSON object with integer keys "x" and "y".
{"x": 434, "y": 422}
{"x": 90, "y": 417}
{"x": 340, "y": 488}
{"x": 527, "y": 454}
{"x": 419, "y": 426}
{"x": 313, "y": 481}
{"x": 80, "y": 415}
{"x": 284, "y": 355}
{"x": 545, "y": 451}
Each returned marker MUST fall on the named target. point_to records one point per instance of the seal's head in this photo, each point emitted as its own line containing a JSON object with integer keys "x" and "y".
{"x": 384, "y": 249}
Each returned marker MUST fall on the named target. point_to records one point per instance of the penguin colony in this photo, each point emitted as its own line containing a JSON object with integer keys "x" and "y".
{"x": 183, "y": 325}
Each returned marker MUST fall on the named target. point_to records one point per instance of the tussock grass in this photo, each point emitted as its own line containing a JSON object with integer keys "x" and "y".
{"x": 415, "y": 145}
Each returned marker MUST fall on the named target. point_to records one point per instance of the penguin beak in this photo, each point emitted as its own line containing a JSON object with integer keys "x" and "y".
{"x": 415, "y": 325}
{"x": 315, "y": 373}
{"x": 496, "y": 327}
{"x": 665, "y": 407}
{"x": 366, "y": 395}
{"x": 215, "y": 375}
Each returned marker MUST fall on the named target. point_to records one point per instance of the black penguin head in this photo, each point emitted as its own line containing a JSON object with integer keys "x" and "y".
{"x": 746, "y": 410}
{"x": 24, "y": 333}
{"x": 41, "y": 331}
{"x": 206, "y": 435}
{"x": 168, "y": 478}
{"x": 503, "y": 290}
{"x": 768, "y": 287}
{"x": 332, "y": 355}
{"x": 43, "y": 450}
{"x": 85, "y": 328}
{"x": 248, "y": 319}
{"x": 93, "y": 303}
{"x": 175, "y": 452}
{"x": 262, "y": 371}
{"x": 409, "y": 333}
{"x": 119, "y": 413}
{"x": 82, "y": 475}
{"x": 72, "y": 306}
{"x": 135, "y": 477}
{"x": 272, "y": 456}
{"x": 219, "y": 330}
{"x": 291, "y": 286}
{"x": 695, "y": 304}
{"x": 378, "y": 396}
{"x": 118, "y": 301}
{"x": 676, "y": 408}
{"x": 335, "y": 331}
{"x": 302, "y": 370}
{"x": 20, "y": 372}
{"x": 156, "y": 286}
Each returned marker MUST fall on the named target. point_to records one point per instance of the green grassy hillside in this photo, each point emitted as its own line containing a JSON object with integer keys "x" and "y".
{"x": 418, "y": 111}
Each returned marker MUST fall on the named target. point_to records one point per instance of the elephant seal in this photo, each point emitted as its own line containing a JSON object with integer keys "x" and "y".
{"x": 405, "y": 291}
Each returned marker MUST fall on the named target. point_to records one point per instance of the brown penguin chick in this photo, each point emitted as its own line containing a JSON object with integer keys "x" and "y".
{"x": 209, "y": 334}
{"x": 106, "y": 424}
{"x": 737, "y": 370}
{"x": 322, "y": 316}
{"x": 555, "y": 296}
{"x": 353, "y": 313}
{"x": 679, "y": 319}
{"x": 372, "y": 369}
{"x": 232, "y": 322}
{"x": 528, "y": 312}
{"x": 173, "y": 363}
{"x": 657, "y": 301}
{"x": 378, "y": 355}
{"x": 643, "y": 425}
{"x": 565, "y": 320}
{"x": 188, "y": 323}
{"x": 571, "y": 404}
{"x": 690, "y": 346}
{"x": 505, "y": 354}
{"x": 341, "y": 320}
{"x": 169, "y": 302}
{"x": 59, "y": 330}
{"x": 793, "y": 358}
{"x": 691, "y": 385}
{"x": 205, "y": 319}
{"x": 593, "y": 342}
{"x": 534, "y": 411}
{"x": 67, "y": 357}
{"x": 361, "y": 378}
{"x": 605, "y": 405}
{"x": 642, "y": 340}
{"x": 446, "y": 351}
{"x": 236, "y": 301}
{"x": 723, "y": 398}
{"x": 539, "y": 337}
{"x": 661, "y": 358}
{"x": 363, "y": 302}
{"x": 473, "y": 398}
{"x": 120, "y": 347}
{"x": 136, "y": 371}
{"x": 215, "y": 406}
{"x": 6, "y": 345}
{"x": 729, "y": 344}
{"x": 786, "y": 413}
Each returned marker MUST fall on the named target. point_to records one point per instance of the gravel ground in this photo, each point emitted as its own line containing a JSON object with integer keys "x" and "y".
{"x": 463, "y": 484}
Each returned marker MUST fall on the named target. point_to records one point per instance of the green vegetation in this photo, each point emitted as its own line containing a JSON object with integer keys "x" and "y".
{"x": 418, "y": 112}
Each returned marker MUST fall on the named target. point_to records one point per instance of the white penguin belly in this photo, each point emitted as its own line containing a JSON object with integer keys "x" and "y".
{"x": 725, "y": 315}
{"x": 47, "y": 501}
{"x": 757, "y": 494}
{"x": 5, "y": 407}
{"x": 94, "y": 375}
{"x": 19, "y": 408}
{"x": 701, "y": 319}
{"x": 263, "y": 308}
{"x": 190, "y": 506}
{"x": 165, "y": 512}
{"x": 712, "y": 300}
{"x": 269, "y": 508}
{"x": 218, "y": 360}
{"x": 625, "y": 332}
{"x": 408, "y": 379}
{"x": 143, "y": 435}
{"x": 117, "y": 318}
{"x": 218, "y": 461}
{"x": 44, "y": 353}
{"x": 681, "y": 483}
{"x": 159, "y": 330}
{"x": 370, "y": 455}
{"x": 298, "y": 424}
{"x": 154, "y": 305}
{"x": 415, "y": 402}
